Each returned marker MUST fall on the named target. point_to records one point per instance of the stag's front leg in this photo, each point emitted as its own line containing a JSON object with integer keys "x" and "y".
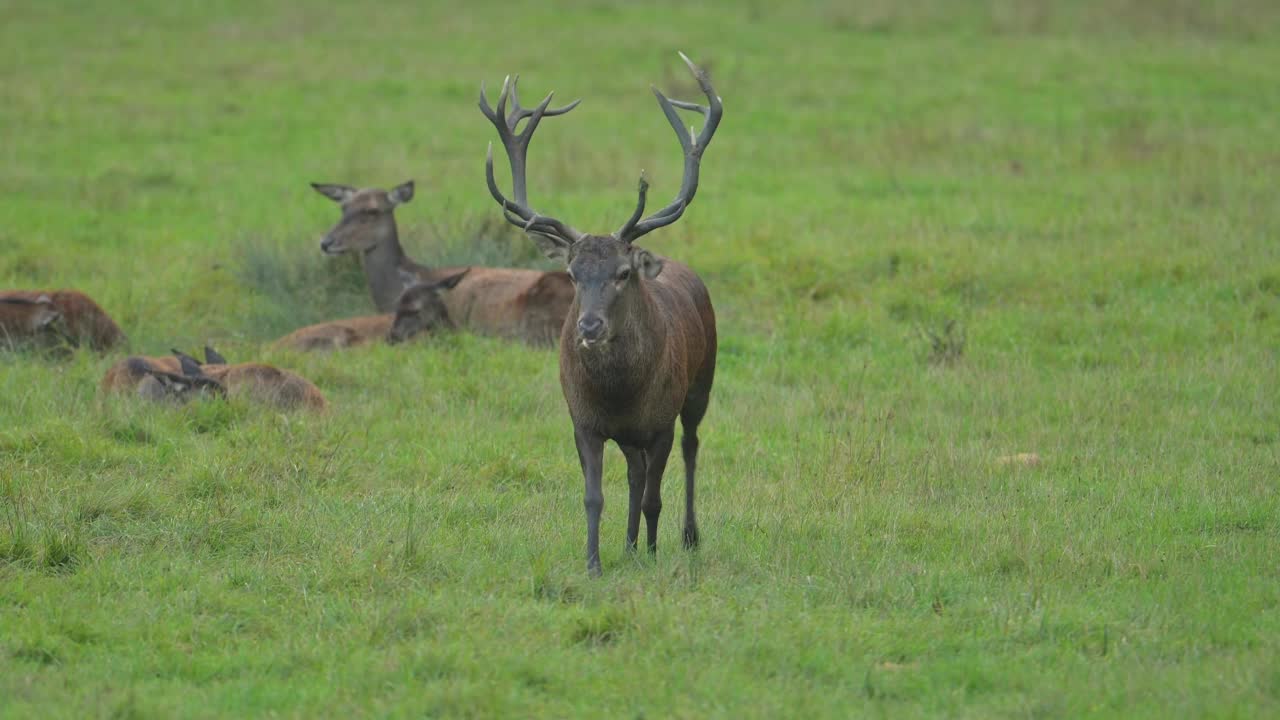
{"x": 635, "y": 480}
{"x": 656, "y": 455}
{"x": 591, "y": 457}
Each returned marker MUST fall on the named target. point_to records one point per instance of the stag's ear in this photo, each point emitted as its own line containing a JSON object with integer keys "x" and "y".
{"x": 645, "y": 263}
{"x": 336, "y": 193}
{"x": 553, "y": 247}
{"x": 213, "y": 357}
{"x": 401, "y": 194}
{"x": 452, "y": 281}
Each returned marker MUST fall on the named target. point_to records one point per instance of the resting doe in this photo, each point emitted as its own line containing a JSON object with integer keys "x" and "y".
{"x": 420, "y": 309}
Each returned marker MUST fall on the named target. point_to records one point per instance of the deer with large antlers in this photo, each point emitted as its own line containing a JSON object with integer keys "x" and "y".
{"x": 639, "y": 346}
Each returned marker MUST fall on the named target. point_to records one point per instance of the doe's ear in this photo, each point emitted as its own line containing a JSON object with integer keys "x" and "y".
{"x": 213, "y": 357}
{"x": 553, "y": 247}
{"x": 336, "y": 193}
{"x": 190, "y": 366}
{"x": 401, "y": 194}
{"x": 452, "y": 281}
{"x": 645, "y": 263}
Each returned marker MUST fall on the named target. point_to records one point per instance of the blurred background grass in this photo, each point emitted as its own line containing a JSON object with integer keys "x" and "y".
{"x": 1083, "y": 192}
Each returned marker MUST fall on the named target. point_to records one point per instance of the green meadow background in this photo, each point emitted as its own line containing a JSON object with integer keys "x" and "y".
{"x": 936, "y": 233}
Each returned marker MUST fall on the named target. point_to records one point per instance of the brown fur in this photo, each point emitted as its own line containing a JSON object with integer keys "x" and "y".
{"x": 420, "y": 309}
{"x": 338, "y": 334}
{"x": 638, "y": 348}
{"x": 635, "y": 387}
{"x": 510, "y": 303}
{"x": 83, "y": 321}
{"x": 281, "y": 389}
{"x": 24, "y": 320}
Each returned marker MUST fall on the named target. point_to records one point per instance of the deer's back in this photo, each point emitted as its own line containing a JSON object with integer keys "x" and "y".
{"x": 125, "y": 375}
{"x": 85, "y": 321}
{"x": 512, "y": 303}
{"x": 268, "y": 384}
{"x": 337, "y": 334}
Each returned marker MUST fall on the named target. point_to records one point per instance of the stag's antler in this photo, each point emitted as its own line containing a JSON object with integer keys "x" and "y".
{"x": 518, "y": 213}
{"x": 693, "y": 147}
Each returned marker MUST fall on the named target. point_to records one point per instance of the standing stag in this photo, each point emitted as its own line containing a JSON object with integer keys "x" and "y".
{"x": 639, "y": 346}
{"x": 512, "y": 303}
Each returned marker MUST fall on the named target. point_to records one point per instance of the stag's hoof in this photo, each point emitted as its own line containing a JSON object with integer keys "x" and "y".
{"x": 691, "y": 536}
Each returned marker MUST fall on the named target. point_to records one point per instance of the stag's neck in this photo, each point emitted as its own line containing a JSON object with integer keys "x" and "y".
{"x": 382, "y": 267}
{"x": 625, "y": 366}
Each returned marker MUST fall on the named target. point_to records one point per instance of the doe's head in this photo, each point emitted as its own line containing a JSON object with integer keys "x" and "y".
{"x": 367, "y": 216}
{"x": 421, "y": 307}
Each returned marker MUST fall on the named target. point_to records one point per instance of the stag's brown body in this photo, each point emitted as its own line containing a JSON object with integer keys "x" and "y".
{"x": 661, "y": 361}
{"x": 639, "y": 347}
{"x": 511, "y": 303}
{"x": 82, "y": 320}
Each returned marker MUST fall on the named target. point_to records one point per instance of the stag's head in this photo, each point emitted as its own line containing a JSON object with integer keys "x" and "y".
{"x": 607, "y": 270}
{"x": 421, "y": 307}
{"x": 368, "y": 217}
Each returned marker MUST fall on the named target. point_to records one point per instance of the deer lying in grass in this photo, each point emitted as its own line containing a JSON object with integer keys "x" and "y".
{"x": 181, "y": 376}
{"x": 420, "y": 309}
{"x": 639, "y": 346}
{"x": 80, "y": 319}
{"x": 24, "y": 320}
{"x": 516, "y": 304}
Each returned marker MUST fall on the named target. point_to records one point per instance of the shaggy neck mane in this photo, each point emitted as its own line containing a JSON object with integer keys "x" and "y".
{"x": 629, "y": 360}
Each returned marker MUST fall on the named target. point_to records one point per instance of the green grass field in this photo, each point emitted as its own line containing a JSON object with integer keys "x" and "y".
{"x": 1085, "y": 192}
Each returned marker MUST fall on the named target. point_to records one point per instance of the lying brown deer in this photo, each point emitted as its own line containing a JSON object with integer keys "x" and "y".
{"x": 639, "y": 347}
{"x": 80, "y": 319}
{"x": 516, "y": 304}
{"x": 181, "y": 376}
{"x": 420, "y": 309}
{"x": 24, "y": 320}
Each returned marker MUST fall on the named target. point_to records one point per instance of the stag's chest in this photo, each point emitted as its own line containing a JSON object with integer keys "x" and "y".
{"x": 621, "y": 402}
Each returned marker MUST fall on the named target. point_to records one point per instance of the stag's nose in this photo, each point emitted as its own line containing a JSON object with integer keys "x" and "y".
{"x": 591, "y": 328}
{"x": 326, "y": 244}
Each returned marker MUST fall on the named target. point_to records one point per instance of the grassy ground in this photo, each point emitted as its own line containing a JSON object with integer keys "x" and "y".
{"x": 1085, "y": 191}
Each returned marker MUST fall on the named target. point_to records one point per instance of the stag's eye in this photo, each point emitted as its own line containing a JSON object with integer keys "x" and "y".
{"x": 624, "y": 274}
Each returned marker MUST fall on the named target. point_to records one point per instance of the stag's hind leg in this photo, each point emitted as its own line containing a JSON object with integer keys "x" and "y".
{"x": 695, "y": 407}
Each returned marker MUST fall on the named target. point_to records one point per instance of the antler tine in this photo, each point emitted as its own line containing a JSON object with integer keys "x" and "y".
{"x": 524, "y": 218}
{"x": 693, "y": 147}
{"x": 639, "y": 211}
{"x": 517, "y": 144}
